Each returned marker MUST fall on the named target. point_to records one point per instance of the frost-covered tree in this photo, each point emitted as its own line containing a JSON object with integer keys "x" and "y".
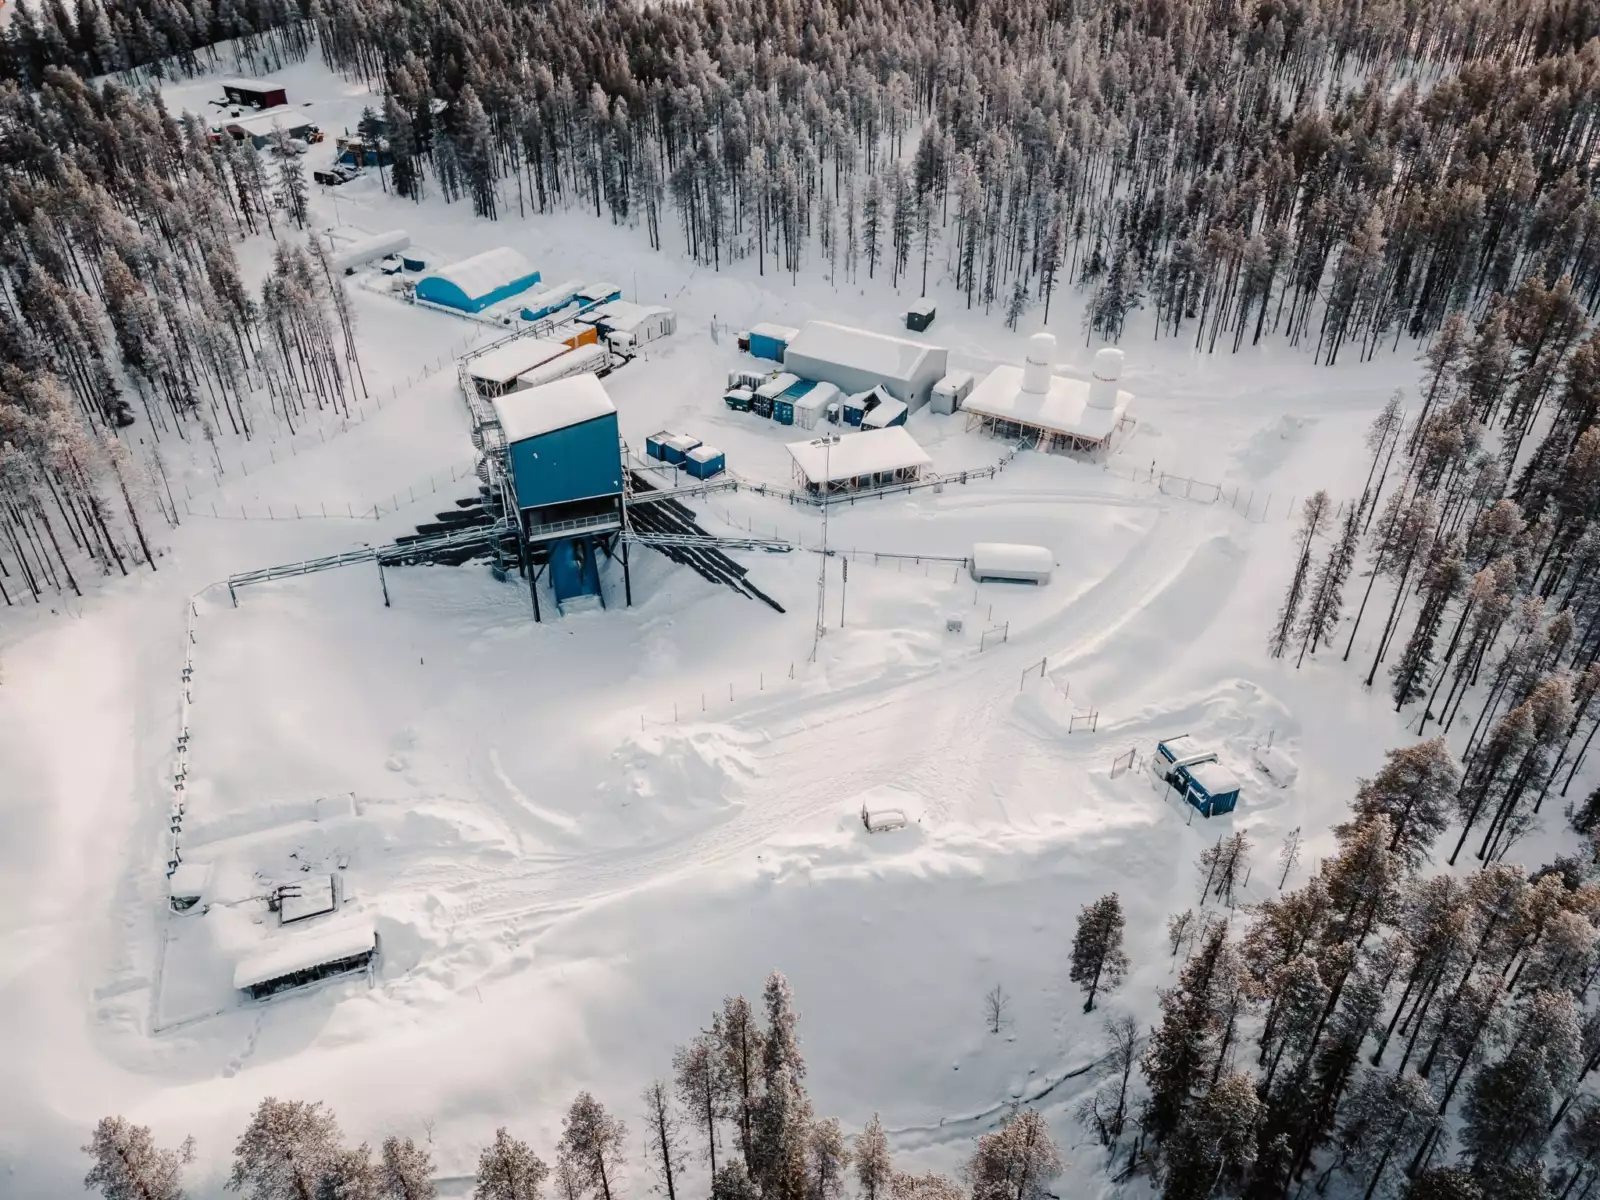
{"x": 406, "y": 1171}
{"x": 827, "y": 1158}
{"x": 1105, "y": 1109}
{"x": 698, "y": 1074}
{"x": 740, "y": 1047}
{"x": 1016, "y": 1162}
{"x": 782, "y": 1117}
{"x": 663, "y": 1147}
{"x": 508, "y": 1169}
{"x": 873, "y": 1165}
{"x": 1216, "y": 1142}
{"x": 1416, "y": 789}
{"x": 1098, "y": 960}
{"x": 286, "y": 1151}
{"x": 1313, "y": 519}
{"x": 128, "y": 1165}
{"x": 592, "y": 1141}
{"x": 1385, "y": 1120}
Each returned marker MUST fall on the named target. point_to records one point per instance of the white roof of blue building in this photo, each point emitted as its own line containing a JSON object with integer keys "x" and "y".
{"x": 559, "y": 405}
{"x": 483, "y": 273}
{"x": 303, "y": 950}
{"x": 1214, "y": 777}
{"x": 875, "y": 353}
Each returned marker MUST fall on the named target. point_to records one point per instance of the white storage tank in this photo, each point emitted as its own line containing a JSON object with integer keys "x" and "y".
{"x": 1011, "y": 562}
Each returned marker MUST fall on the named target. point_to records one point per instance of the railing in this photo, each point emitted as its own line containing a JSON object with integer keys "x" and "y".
{"x": 555, "y": 528}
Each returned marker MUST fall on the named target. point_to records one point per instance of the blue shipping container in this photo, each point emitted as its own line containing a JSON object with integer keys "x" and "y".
{"x": 765, "y": 346}
{"x": 783, "y": 410}
{"x": 705, "y": 462}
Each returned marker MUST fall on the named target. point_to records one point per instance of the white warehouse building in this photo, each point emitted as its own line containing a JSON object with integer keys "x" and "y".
{"x": 856, "y": 360}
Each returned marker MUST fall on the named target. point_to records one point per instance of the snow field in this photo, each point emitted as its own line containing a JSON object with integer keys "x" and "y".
{"x": 566, "y": 880}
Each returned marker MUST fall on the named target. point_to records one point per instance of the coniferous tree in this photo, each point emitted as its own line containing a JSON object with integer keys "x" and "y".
{"x": 286, "y": 1151}
{"x": 1098, "y": 960}
{"x": 508, "y": 1169}
{"x": 873, "y": 1166}
{"x": 1314, "y": 517}
{"x": 129, "y": 1165}
{"x": 406, "y": 1172}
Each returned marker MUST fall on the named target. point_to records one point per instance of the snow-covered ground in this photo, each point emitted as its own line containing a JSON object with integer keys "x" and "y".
{"x": 575, "y": 837}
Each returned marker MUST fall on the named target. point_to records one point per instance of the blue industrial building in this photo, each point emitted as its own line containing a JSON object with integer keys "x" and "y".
{"x": 564, "y": 462}
{"x": 473, "y": 284}
{"x": 1197, "y": 775}
{"x": 705, "y": 462}
{"x": 599, "y": 293}
{"x": 770, "y": 341}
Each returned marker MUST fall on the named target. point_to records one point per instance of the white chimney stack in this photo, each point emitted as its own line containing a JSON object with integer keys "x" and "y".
{"x": 1107, "y": 370}
{"x": 1036, "y": 368}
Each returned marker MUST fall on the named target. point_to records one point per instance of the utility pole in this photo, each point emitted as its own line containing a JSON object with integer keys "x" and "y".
{"x": 826, "y": 441}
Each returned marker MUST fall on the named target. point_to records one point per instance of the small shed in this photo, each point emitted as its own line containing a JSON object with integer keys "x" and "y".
{"x": 738, "y": 398}
{"x": 261, "y": 129}
{"x": 641, "y": 322}
{"x": 676, "y": 448}
{"x": 257, "y": 93}
{"x": 655, "y": 446}
{"x": 1010, "y": 562}
{"x": 705, "y": 462}
{"x": 854, "y": 408}
{"x": 949, "y": 392}
{"x": 1213, "y": 789}
{"x": 919, "y": 316}
{"x": 888, "y": 411}
{"x": 1196, "y": 774}
{"x": 536, "y": 306}
{"x": 599, "y": 293}
{"x": 771, "y": 341}
{"x": 810, "y": 407}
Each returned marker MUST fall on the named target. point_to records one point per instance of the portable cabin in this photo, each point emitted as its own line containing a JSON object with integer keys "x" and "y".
{"x": 1197, "y": 775}
{"x": 536, "y": 306}
{"x": 256, "y": 93}
{"x": 655, "y": 446}
{"x": 761, "y": 403}
{"x": 888, "y": 411}
{"x": 641, "y": 322}
{"x": 473, "y": 284}
{"x": 811, "y": 407}
{"x": 950, "y": 391}
{"x": 1010, "y": 562}
{"x": 599, "y": 293}
{"x": 919, "y": 316}
{"x": 771, "y": 341}
{"x": 738, "y": 399}
{"x": 676, "y": 448}
{"x": 856, "y": 360}
{"x": 783, "y": 405}
{"x": 563, "y": 457}
{"x": 303, "y": 957}
{"x": 365, "y": 250}
{"x": 705, "y": 462}
{"x": 854, "y": 408}
{"x": 577, "y": 336}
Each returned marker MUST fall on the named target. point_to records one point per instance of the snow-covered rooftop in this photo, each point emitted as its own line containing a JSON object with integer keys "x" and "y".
{"x": 189, "y": 880}
{"x": 817, "y": 399}
{"x": 703, "y": 453}
{"x": 268, "y": 120}
{"x": 504, "y": 363}
{"x": 1000, "y": 558}
{"x": 887, "y": 410}
{"x": 781, "y": 333}
{"x": 1063, "y": 409}
{"x": 955, "y": 380}
{"x": 551, "y": 406}
{"x": 1214, "y": 777}
{"x": 483, "y": 273}
{"x": 858, "y": 454}
{"x": 777, "y": 385}
{"x": 623, "y": 316}
{"x": 310, "y": 896}
{"x": 876, "y": 353}
{"x": 251, "y": 85}
{"x": 302, "y": 949}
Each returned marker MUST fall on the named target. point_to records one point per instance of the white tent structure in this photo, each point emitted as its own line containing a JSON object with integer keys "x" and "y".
{"x": 1054, "y": 413}
{"x": 856, "y": 360}
{"x": 364, "y": 250}
{"x": 875, "y": 458}
{"x": 640, "y": 322}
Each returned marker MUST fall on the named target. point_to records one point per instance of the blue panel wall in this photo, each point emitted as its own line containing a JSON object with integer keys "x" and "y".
{"x": 441, "y": 291}
{"x": 575, "y": 463}
{"x": 762, "y": 346}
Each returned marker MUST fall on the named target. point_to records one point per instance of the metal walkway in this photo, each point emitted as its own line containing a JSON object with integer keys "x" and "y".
{"x": 388, "y": 555}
